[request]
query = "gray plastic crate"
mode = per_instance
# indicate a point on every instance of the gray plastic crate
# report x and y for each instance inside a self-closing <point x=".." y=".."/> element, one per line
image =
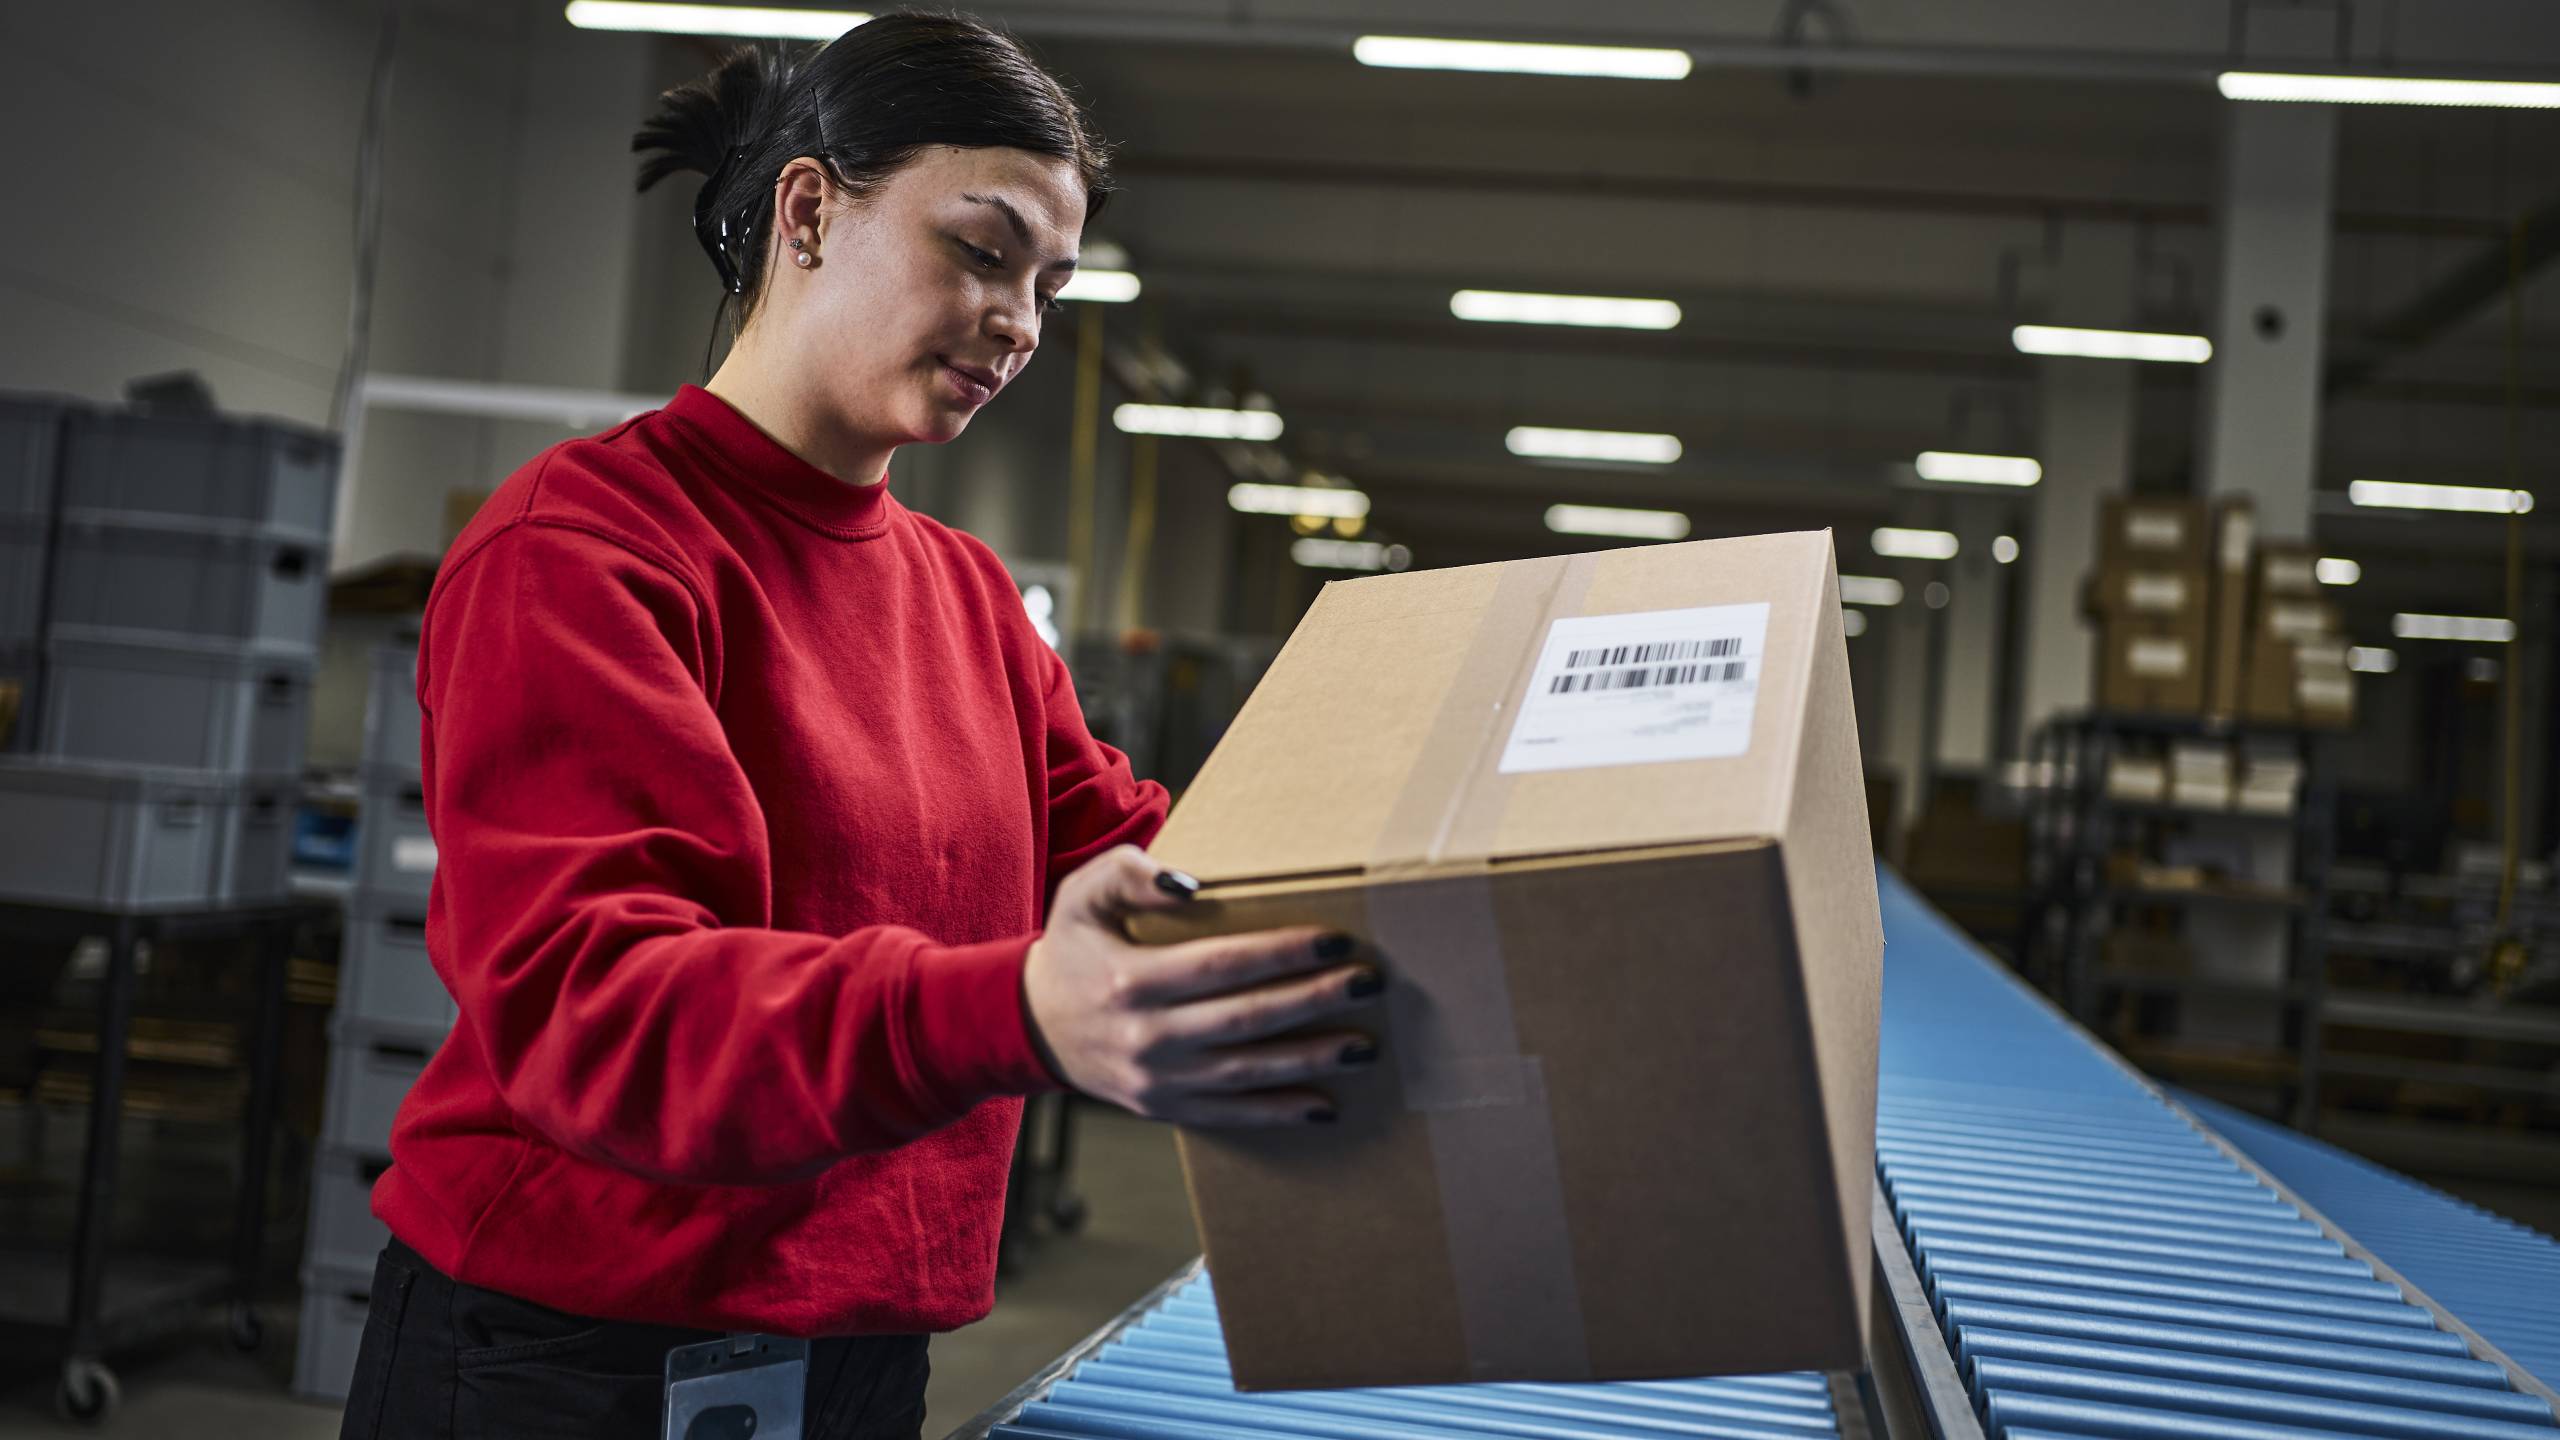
<point x="23" y="546"/>
<point x="393" y="725"/>
<point x="214" y="581"/>
<point x="344" y="1236"/>
<point x="384" y="976"/>
<point x="257" y="845"/>
<point x="396" y="858"/>
<point x="334" y="1306"/>
<point x="30" y="439"/>
<point x="114" y="838"/>
<point x="261" y="471"/>
<point x="371" y="1068"/>
<point x="132" y="698"/>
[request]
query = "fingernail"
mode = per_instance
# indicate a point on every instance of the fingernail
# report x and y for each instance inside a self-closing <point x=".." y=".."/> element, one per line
<point x="1334" y="946"/>
<point x="1366" y="984"/>
<point x="1177" y="884"/>
<point x="1360" y="1052"/>
<point x="1322" y="1116"/>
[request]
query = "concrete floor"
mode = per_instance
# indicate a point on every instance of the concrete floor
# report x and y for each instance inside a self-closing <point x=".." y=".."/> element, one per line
<point x="1138" y="1231"/>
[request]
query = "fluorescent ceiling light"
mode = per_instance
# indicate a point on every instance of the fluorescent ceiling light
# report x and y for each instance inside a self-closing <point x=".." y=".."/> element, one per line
<point x="1614" y="62"/>
<point x="1631" y="447"/>
<point x="1853" y="622"/>
<point x="1199" y="422"/>
<point x="1903" y="544"/>
<point x="1627" y="524"/>
<point x="1606" y="311"/>
<point x="2487" y="629"/>
<point x="2005" y="549"/>
<point x="1870" y="590"/>
<point x="2111" y="344"/>
<point x="2405" y="495"/>
<point x="752" y="21"/>
<point x="1957" y="468"/>
<point x="1327" y="501"/>
<point x="2371" y="660"/>
<point x="2333" y="571"/>
<point x="1109" y="287"/>
<point x="1321" y="554"/>
<point x="2386" y="90"/>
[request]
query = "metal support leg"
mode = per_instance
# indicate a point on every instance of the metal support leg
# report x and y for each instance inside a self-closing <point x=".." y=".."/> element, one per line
<point x="258" y="1128"/>
<point x="98" y="1167"/>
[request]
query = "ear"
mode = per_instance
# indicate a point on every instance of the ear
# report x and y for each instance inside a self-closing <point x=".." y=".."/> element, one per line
<point x="800" y="200"/>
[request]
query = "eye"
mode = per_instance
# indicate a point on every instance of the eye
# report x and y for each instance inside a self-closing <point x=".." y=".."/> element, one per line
<point x="1051" y="305"/>
<point x="986" y="259"/>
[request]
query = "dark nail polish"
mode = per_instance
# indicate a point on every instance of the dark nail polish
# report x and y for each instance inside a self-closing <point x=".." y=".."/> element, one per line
<point x="1177" y="884"/>
<point x="1323" y="1116"/>
<point x="1366" y="984"/>
<point x="1360" y="1052"/>
<point x="1334" y="946"/>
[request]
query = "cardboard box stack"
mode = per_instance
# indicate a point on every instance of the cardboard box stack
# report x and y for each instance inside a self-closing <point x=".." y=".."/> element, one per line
<point x="393" y="1012"/>
<point x="2150" y="598"/>
<point x="160" y="615"/>
<point x="2270" y="779"/>
<point x="1599" y="819"/>
<point x="2200" y="775"/>
<point x="2297" y="671"/>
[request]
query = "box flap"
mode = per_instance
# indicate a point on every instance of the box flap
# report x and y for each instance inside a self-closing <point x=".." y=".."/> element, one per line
<point x="1388" y="734"/>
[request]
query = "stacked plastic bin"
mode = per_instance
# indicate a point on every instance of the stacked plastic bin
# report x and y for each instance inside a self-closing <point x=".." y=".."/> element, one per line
<point x="162" y="586"/>
<point x="392" y="1014"/>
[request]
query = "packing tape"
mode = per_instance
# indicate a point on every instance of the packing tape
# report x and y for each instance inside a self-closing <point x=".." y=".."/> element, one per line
<point x="1493" y="1144"/>
<point x="1457" y="1047"/>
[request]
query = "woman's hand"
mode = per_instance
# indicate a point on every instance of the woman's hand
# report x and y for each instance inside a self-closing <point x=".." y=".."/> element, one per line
<point x="1183" y="1032"/>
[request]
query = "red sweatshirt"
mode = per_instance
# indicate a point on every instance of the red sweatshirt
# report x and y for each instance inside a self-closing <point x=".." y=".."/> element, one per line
<point x="750" y="788"/>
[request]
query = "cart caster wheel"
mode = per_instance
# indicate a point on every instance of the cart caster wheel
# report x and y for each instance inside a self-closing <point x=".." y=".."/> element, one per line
<point x="245" y="1328"/>
<point x="88" y="1391"/>
<point x="1068" y="1215"/>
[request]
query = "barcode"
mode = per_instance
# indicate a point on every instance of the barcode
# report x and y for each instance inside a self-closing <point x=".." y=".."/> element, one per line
<point x="1646" y="676"/>
<point x="1651" y="654"/>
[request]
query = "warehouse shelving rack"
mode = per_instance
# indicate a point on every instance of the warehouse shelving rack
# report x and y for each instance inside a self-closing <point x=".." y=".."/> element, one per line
<point x="2074" y="826"/>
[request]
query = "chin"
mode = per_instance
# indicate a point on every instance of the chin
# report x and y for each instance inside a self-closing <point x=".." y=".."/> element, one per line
<point x="941" y="428"/>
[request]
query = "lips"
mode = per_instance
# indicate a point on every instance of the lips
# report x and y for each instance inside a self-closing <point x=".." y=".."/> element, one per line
<point x="975" y="384"/>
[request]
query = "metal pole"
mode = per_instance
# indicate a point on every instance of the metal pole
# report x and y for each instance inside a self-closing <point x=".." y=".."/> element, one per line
<point x="1080" y="465"/>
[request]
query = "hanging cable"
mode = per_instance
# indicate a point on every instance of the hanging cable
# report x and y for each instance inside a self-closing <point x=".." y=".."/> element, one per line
<point x="368" y="221"/>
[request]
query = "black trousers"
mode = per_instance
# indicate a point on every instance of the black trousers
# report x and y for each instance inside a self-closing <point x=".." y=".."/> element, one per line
<point x="442" y="1360"/>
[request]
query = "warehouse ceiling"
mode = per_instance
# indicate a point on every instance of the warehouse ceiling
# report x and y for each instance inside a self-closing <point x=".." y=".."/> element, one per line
<point x="1850" y="239"/>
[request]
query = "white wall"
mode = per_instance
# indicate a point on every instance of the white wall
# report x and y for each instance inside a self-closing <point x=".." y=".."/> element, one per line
<point x="185" y="193"/>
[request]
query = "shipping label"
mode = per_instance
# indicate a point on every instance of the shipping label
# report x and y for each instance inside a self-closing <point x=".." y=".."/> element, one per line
<point x="1641" y="688"/>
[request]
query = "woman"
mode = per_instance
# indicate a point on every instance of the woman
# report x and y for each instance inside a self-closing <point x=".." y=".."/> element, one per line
<point x="776" y="861"/>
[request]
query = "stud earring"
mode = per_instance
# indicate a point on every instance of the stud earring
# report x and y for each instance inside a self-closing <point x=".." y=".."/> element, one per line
<point x="806" y="259"/>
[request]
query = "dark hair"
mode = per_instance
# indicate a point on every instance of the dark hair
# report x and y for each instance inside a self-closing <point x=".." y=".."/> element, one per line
<point x="863" y="104"/>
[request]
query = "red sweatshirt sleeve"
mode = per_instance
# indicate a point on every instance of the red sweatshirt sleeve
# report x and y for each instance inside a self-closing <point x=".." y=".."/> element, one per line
<point x="602" y="892"/>
<point x="1094" y="800"/>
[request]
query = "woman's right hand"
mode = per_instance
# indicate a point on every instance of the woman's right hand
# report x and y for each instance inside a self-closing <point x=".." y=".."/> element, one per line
<point x="1184" y="1033"/>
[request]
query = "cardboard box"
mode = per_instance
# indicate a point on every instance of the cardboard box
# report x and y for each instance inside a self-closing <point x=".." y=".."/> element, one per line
<point x="2152" y="665"/>
<point x="2137" y="531"/>
<point x="2235" y="530"/>
<point x="2303" y="683"/>
<point x="1624" y="1123"/>
<point x="2295" y="620"/>
<point x="2286" y="568"/>
<point x="2159" y="591"/>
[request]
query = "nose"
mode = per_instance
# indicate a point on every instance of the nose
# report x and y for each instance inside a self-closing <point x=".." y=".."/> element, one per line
<point x="1013" y="322"/>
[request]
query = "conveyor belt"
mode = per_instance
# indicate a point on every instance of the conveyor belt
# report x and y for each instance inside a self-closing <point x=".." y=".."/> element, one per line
<point x="2502" y="1278"/>
<point x="2100" y="1267"/>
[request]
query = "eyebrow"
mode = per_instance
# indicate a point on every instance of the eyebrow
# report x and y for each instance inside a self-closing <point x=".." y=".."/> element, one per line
<point x="1021" y="227"/>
